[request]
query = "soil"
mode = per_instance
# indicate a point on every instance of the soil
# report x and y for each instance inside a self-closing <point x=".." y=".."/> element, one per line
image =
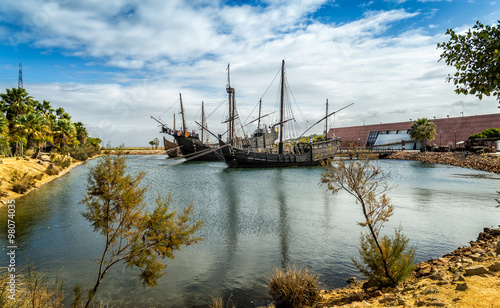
<point x="33" y="166"/>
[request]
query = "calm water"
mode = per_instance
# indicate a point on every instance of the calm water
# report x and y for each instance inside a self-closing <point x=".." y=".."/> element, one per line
<point x="255" y="221"/>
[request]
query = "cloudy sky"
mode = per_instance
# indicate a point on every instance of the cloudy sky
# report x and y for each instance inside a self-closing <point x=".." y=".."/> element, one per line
<point x="114" y="64"/>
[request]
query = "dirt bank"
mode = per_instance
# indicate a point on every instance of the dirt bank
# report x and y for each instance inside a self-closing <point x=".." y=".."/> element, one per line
<point x="484" y="162"/>
<point x="33" y="166"/>
<point x="467" y="277"/>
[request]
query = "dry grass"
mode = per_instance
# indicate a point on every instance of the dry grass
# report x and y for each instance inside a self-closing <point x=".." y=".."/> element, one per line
<point x="11" y="164"/>
<point x="294" y="287"/>
<point x="218" y="302"/>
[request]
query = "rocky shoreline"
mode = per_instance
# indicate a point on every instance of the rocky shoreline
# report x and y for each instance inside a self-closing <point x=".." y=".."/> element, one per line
<point x="467" y="277"/>
<point x="484" y="162"/>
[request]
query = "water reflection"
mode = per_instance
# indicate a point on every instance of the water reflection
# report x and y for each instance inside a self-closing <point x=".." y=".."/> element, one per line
<point x="279" y="186"/>
<point x="255" y="220"/>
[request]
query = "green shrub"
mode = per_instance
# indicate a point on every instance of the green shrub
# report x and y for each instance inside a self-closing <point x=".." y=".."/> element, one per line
<point x="62" y="161"/>
<point x="398" y="256"/>
<point x="294" y="287"/>
<point x="52" y="170"/>
<point x="21" y="181"/>
<point x="78" y="153"/>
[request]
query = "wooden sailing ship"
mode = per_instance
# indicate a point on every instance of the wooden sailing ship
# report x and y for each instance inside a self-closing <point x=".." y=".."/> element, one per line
<point x="301" y="154"/>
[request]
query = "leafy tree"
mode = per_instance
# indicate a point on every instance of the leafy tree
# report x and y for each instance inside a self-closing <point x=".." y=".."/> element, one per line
<point x="95" y="142"/>
<point x="81" y="132"/>
<point x="476" y="57"/>
<point x="366" y="183"/>
<point x="152" y="143"/>
<point x="64" y="131"/>
<point x="16" y="102"/>
<point x="487" y="133"/>
<point x="32" y="126"/>
<point x="115" y="207"/>
<point x="421" y="130"/>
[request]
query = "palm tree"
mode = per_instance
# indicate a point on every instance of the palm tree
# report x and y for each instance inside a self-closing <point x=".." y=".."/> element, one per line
<point x="64" y="131"/>
<point x="16" y="102"/>
<point x="81" y="132"/>
<point x="33" y="126"/>
<point x="421" y="130"/>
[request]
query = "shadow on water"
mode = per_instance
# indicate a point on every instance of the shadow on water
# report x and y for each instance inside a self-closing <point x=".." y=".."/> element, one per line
<point x="284" y="228"/>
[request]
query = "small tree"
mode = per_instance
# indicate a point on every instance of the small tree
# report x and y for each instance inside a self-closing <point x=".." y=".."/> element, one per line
<point x="115" y="207"/>
<point x="152" y="144"/>
<point x="421" y="130"/>
<point x="366" y="183"/>
<point x="476" y="57"/>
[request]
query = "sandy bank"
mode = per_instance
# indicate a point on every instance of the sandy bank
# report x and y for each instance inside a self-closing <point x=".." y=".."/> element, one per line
<point x="137" y="152"/>
<point x="33" y="166"/>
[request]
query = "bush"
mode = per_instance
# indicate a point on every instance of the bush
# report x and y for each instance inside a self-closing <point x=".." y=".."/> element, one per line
<point x="218" y="302"/>
<point x="21" y="182"/>
<point x="52" y="170"/>
<point x="294" y="287"/>
<point x="62" y="161"/>
<point x="398" y="256"/>
<point x="78" y="153"/>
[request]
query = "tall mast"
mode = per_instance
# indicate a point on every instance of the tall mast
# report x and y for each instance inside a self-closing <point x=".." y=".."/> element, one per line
<point x="174" y="120"/>
<point x="326" y="120"/>
<point x="282" y="109"/>
<point x="230" y="91"/>
<point x="202" y="119"/>
<point x="258" y="123"/>
<point x="182" y="113"/>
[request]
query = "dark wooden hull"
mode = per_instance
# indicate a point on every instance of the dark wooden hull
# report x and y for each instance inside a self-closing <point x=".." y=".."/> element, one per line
<point x="171" y="148"/>
<point x="191" y="147"/>
<point x="308" y="155"/>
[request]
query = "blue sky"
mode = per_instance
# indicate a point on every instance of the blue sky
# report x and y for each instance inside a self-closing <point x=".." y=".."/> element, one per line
<point x="114" y="64"/>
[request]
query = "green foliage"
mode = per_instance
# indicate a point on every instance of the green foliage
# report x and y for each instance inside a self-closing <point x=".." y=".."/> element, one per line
<point x="487" y="133"/>
<point x="95" y="142"/>
<point x="21" y="181"/>
<point x="398" y="256"/>
<point x="476" y="57"/>
<point x="294" y="287"/>
<point x="423" y="129"/>
<point x="366" y="183"/>
<point x="115" y="207"/>
<point x="62" y="161"/>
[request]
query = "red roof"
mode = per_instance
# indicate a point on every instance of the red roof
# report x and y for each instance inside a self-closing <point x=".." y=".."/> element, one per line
<point x="448" y="129"/>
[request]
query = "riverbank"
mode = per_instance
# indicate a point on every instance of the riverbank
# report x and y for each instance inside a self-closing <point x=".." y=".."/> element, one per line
<point x="136" y="152"/>
<point x="467" y="277"/>
<point x="35" y="167"/>
<point x="484" y="162"/>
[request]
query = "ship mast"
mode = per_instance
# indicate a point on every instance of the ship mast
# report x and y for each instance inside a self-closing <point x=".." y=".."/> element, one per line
<point x="258" y="123"/>
<point x="326" y="120"/>
<point x="174" y="120"/>
<point x="202" y="119"/>
<point x="230" y="91"/>
<point x="282" y="109"/>
<point x="182" y="113"/>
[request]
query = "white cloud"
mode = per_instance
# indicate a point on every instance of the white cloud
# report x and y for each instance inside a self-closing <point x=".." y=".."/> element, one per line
<point x="177" y="47"/>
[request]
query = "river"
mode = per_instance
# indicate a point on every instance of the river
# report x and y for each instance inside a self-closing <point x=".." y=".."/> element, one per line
<point x="254" y="221"/>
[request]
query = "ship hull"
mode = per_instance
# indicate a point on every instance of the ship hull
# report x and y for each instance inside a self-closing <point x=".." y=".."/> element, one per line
<point x="193" y="149"/>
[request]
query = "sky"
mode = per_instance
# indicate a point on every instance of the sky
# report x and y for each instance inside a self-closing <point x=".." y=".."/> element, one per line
<point x="114" y="64"/>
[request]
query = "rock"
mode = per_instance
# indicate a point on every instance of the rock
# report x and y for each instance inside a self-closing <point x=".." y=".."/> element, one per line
<point x="495" y="267"/>
<point x="442" y="282"/>
<point x="437" y="276"/>
<point x="429" y="290"/>
<point x="475" y="270"/>
<point x="357" y="297"/>
<point x="495" y="231"/>
<point x="388" y="298"/>
<point x="351" y="280"/>
<point x="462" y="286"/>
<point x="436" y="304"/>
<point x="410" y="288"/>
<point x="475" y="257"/>
<point x="459" y="278"/>
<point x="375" y="293"/>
